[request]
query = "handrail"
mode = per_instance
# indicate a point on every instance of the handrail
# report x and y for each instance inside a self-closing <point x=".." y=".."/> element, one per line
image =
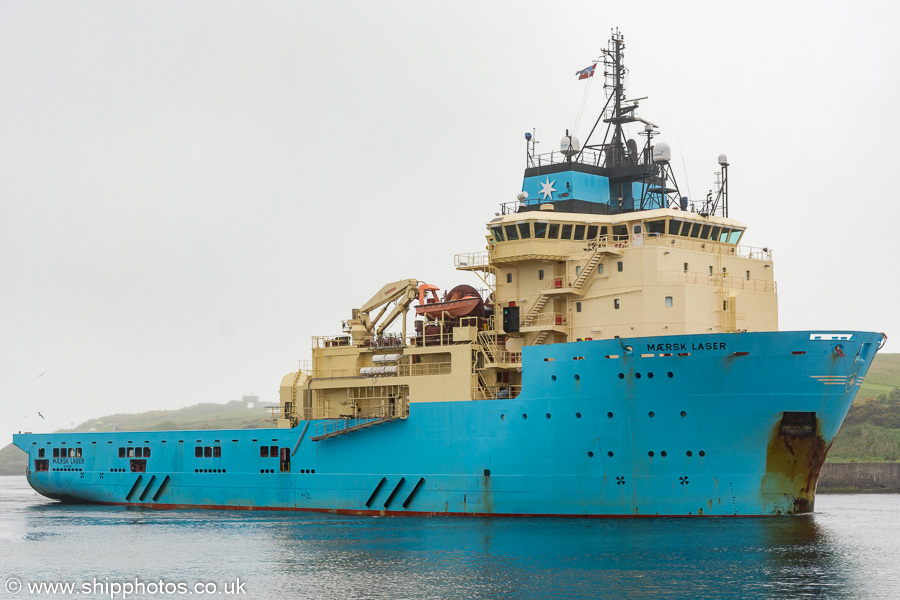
<point x="471" y="259"/>
<point x="347" y="423"/>
<point x="728" y="281"/>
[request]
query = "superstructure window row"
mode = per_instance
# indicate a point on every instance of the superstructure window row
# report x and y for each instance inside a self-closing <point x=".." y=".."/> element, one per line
<point x="524" y="230"/>
<point x="63" y="453"/>
<point x="704" y="231"/>
<point x="545" y="230"/>
<point x="131" y="452"/>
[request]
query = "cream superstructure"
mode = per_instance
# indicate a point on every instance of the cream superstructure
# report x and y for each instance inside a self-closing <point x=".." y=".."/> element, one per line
<point x="657" y="272"/>
<point x="552" y="277"/>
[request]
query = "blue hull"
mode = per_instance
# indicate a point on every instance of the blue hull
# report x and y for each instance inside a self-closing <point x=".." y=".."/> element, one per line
<point x="716" y="424"/>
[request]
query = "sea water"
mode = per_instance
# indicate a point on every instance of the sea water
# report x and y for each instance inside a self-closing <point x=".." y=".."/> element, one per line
<point x="848" y="549"/>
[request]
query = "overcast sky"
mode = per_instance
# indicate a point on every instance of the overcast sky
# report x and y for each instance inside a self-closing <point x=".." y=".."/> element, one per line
<point x="190" y="190"/>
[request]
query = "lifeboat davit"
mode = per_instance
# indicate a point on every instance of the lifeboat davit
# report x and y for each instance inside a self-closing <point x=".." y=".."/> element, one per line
<point x="461" y="301"/>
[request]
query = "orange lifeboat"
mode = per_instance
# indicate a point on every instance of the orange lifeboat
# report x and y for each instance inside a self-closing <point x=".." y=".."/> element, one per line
<point x="461" y="301"/>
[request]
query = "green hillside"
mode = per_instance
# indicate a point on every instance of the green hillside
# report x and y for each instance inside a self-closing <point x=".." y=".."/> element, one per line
<point x="883" y="376"/>
<point x="232" y="415"/>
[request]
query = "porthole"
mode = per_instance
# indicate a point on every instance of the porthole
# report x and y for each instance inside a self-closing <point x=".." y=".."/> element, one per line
<point x="578" y="415"/>
<point x="609" y="454"/>
<point x="650" y="374"/>
<point x="577" y="377"/>
<point x="502" y="417"/>
<point x="590" y="454"/>
<point x="621" y="375"/>
<point x="670" y="375"/>
<point x="553" y="378"/>
<point x="651" y="414"/>
<point x="684" y="413"/>
<point x="547" y="415"/>
<point x="663" y="453"/>
<point x="637" y="375"/>
<point x="650" y="454"/>
<point x="609" y="414"/>
<point x="524" y="415"/>
<point x="702" y="453"/>
<point x="689" y="453"/>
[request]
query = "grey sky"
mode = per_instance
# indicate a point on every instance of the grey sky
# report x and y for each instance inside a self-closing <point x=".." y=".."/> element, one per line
<point x="190" y="190"/>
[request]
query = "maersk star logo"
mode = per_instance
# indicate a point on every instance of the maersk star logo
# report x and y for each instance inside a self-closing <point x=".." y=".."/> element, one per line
<point x="547" y="188"/>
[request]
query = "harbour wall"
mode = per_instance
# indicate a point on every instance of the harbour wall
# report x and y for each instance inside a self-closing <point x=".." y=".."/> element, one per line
<point x="861" y="477"/>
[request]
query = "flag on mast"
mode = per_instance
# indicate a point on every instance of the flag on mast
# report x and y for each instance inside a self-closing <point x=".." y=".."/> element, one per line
<point x="585" y="73"/>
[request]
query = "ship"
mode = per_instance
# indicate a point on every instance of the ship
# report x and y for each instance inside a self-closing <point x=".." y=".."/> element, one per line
<point x="622" y="359"/>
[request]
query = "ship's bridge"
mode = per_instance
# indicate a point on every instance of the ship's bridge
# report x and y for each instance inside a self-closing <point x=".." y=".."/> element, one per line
<point x="549" y="235"/>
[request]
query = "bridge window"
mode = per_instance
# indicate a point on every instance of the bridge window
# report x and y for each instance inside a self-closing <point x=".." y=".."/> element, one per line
<point x="540" y="229"/>
<point x="498" y="233"/>
<point x="620" y="232"/>
<point x="553" y="231"/>
<point x="566" y="232"/>
<point x="511" y="232"/>
<point x="674" y="227"/>
<point x="695" y="230"/>
<point x="524" y="230"/>
<point x="704" y="235"/>
<point x="715" y="234"/>
<point x="592" y="232"/>
<point x="735" y="236"/>
<point x="579" y="232"/>
<point x="656" y="227"/>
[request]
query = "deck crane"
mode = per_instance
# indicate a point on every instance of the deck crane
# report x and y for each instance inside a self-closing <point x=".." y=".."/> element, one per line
<point x="362" y="325"/>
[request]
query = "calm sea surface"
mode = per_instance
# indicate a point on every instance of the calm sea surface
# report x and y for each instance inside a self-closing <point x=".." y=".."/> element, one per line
<point x="849" y="549"/>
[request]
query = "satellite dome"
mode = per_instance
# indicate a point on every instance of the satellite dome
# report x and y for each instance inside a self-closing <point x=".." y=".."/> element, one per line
<point x="662" y="153"/>
<point x="723" y="160"/>
<point x="527" y="136"/>
<point x="569" y="145"/>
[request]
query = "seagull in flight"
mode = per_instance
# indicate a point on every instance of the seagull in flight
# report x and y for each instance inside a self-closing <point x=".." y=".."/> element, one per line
<point x="41" y="375"/>
<point x="40" y="415"/>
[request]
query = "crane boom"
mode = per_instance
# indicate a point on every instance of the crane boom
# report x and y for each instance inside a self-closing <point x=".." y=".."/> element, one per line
<point x="362" y="324"/>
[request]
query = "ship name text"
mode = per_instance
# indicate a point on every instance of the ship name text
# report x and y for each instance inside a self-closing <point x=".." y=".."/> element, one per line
<point x="685" y="346"/>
